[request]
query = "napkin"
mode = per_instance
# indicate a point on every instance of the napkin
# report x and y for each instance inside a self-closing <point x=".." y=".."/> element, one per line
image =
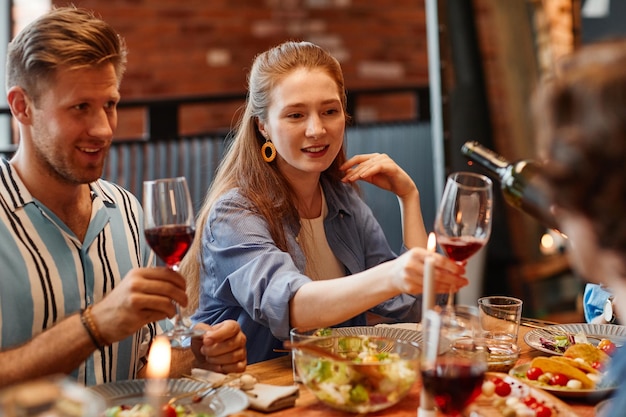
<point x="268" y="398"/>
<point x="262" y="397"/>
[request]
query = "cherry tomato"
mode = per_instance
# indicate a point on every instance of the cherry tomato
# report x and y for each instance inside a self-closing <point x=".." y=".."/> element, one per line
<point x="534" y="373"/>
<point x="169" y="411"/>
<point x="607" y="346"/>
<point x="503" y="389"/>
<point x="598" y="365"/>
<point x="543" y="411"/>
<point x="530" y="402"/>
<point x="558" y="379"/>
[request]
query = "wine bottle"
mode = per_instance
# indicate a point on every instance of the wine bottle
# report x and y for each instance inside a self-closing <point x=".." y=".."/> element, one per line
<point x="520" y="184"/>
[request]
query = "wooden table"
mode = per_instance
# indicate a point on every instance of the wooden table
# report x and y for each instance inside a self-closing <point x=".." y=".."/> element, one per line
<point x="278" y="372"/>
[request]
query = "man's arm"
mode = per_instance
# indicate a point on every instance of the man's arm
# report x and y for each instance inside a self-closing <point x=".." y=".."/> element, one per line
<point x="60" y="349"/>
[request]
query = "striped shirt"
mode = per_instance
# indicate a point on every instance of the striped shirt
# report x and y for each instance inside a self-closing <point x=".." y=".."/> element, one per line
<point x="47" y="273"/>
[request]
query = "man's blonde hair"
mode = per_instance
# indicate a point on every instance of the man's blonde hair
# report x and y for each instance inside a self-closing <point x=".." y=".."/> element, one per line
<point x="65" y="37"/>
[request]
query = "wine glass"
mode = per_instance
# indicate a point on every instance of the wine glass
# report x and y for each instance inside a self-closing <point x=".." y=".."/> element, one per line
<point x="169" y="229"/>
<point x="463" y="221"/>
<point x="453" y="359"/>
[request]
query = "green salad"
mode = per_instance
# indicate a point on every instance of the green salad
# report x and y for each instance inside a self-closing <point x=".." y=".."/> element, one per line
<point x="345" y="385"/>
<point x="146" y="410"/>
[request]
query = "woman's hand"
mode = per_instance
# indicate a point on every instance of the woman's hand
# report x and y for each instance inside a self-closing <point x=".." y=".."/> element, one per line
<point x="222" y="348"/>
<point x="382" y="171"/>
<point x="409" y="272"/>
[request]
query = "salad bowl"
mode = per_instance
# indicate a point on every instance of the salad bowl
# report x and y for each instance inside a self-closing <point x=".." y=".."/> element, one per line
<point x="357" y="374"/>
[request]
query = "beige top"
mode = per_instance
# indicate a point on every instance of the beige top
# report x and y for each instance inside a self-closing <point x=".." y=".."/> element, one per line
<point x="321" y="261"/>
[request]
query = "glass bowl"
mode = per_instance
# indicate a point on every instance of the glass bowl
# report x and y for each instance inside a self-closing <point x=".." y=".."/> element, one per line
<point x="502" y="355"/>
<point x="358" y="374"/>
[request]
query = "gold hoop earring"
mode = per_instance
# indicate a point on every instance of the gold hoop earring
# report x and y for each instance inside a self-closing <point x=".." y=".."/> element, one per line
<point x="268" y="151"/>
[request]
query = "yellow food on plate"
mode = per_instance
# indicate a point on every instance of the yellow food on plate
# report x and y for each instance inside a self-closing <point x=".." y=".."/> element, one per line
<point x="582" y="365"/>
<point x="559" y="367"/>
<point x="587" y="352"/>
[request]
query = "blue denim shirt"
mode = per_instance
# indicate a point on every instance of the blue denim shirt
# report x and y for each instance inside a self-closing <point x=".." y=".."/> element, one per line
<point x="594" y="298"/>
<point x="617" y="373"/>
<point x="245" y="277"/>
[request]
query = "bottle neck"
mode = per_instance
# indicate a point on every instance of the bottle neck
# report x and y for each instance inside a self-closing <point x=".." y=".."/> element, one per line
<point x="486" y="157"/>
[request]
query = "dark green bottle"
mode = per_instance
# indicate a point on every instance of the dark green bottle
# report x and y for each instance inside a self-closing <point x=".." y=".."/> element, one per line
<point x="520" y="184"/>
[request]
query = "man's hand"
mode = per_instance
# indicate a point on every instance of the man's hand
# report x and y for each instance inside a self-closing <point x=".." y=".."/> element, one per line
<point x="145" y="295"/>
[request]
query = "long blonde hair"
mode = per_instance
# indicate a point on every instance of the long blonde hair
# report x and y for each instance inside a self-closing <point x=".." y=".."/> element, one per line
<point x="243" y="166"/>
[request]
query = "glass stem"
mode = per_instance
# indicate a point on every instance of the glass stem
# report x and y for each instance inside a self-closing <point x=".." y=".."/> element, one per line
<point x="179" y="323"/>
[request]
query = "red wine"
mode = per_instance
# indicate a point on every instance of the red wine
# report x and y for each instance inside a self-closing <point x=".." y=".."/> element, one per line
<point x="519" y="181"/>
<point x="453" y="384"/>
<point x="460" y="248"/>
<point x="170" y="243"/>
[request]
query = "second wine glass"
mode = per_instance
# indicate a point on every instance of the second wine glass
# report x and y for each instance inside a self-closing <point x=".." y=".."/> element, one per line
<point x="453" y="357"/>
<point x="463" y="221"/>
<point x="169" y="229"/>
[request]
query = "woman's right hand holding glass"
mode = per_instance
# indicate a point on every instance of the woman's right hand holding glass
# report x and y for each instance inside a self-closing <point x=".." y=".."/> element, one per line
<point x="408" y="272"/>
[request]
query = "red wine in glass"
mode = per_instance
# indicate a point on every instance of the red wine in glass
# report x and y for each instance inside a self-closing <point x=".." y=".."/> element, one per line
<point x="170" y="242"/>
<point x="169" y="230"/>
<point x="460" y="248"/>
<point x="453" y="383"/>
<point x="463" y="221"/>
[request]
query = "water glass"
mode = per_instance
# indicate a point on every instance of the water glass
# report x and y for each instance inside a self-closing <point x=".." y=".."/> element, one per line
<point x="500" y="317"/>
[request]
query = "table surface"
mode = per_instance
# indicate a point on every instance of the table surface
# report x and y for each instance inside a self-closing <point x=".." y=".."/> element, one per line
<point x="278" y="372"/>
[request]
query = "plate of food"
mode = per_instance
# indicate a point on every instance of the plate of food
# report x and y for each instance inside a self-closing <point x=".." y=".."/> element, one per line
<point x="389" y="332"/>
<point x="505" y="395"/>
<point x="555" y="339"/>
<point x="594" y="393"/>
<point x="127" y="398"/>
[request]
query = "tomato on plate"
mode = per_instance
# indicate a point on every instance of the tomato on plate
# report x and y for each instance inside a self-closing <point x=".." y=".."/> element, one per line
<point x="534" y="373"/>
<point x="559" y="379"/>
<point x="543" y="411"/>
<point x="502" y="388"/>
<point x="607" y="346"/>
<point x="169" y="411"/>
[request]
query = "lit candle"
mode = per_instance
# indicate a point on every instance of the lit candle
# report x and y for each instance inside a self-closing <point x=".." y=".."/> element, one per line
<point x="157" y="372"/>
<point x="428" y="297"/>
<point x="427" y="403"/>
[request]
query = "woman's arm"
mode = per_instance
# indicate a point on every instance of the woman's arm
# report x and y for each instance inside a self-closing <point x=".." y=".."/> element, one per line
<point x="325" y="303"/>
<point x="383" y="172"/>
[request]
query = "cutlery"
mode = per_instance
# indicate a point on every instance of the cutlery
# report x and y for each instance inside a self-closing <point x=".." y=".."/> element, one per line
<point x="201" y="393"/>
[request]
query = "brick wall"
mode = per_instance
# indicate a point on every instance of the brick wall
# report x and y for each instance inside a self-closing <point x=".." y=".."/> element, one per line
<point x="204" y="47"/>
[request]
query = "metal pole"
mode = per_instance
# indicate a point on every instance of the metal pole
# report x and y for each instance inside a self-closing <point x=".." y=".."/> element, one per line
<point x="5" y="37"/>
<point x="434" y="80"/>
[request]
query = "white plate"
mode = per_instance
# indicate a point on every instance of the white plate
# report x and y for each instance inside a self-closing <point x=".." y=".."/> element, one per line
<point x="132" y="392"/>
<point x="486" y="406"/>
<point x="590" y="394"/>
<point x="602" y="408"/>
<point x="613" y="332"/>
<point x="395" y="333"/>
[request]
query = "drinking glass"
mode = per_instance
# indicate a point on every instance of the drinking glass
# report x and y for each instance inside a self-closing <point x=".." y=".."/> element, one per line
<point x="453" y="357"/>
<point x="463" y="221"/>
<point x="169" y="229"/>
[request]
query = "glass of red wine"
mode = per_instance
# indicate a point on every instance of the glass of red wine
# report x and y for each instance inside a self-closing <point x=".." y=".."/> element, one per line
<point x="463" y="221"/>
<point x="453" y="357"/>
<point x="169" y="229"/>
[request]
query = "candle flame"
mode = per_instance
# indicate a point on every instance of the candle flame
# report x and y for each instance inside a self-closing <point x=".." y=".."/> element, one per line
<point x="432" y="242"/>
<point x="159" y="358"/>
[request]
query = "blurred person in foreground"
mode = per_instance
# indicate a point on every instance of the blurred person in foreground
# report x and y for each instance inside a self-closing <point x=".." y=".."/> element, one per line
<point x="580" y="118"/>
<point x="78" y="293"/>
<point x="284" y="238"/>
